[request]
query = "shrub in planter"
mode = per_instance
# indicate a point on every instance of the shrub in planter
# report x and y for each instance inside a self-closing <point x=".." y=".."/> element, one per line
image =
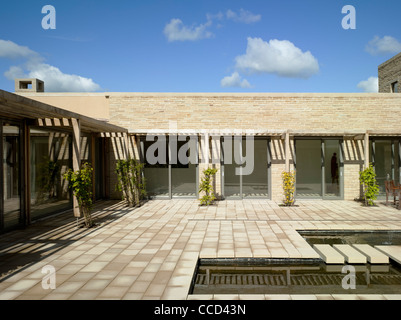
<point x="131" y="181"/>
<point x="288" y="187"/>
<point x="367" y="178"/>
<point x="206" y="187"/>
<point x="81" y="184"/>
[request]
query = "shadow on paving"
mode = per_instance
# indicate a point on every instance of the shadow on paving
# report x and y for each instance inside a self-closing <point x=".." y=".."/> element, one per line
<point x="23" y="248"/>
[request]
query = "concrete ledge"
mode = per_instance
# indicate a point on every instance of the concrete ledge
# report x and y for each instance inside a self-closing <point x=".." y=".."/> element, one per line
<point x="329" y="254"/>
<point x="394" y="252"/>
<point x="351" y="254"/>
<point x="373" y="255"/>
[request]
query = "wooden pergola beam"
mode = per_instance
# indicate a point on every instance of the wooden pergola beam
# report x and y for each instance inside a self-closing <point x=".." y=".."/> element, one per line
<point x="366" y="150"/>
<point x="359" y="137"/>
<point x="76" y="157"/>
<point x="287" y="151"/>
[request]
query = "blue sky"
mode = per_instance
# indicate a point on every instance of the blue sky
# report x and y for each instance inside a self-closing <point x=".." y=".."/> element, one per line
<point x="198" y="46"/>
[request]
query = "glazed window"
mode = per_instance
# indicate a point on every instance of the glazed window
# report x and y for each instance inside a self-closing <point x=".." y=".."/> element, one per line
<point x="394" y="87"/>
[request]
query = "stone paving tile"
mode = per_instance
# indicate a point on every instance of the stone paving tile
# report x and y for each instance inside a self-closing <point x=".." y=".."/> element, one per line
<point x="371" y="297"/>
<point x="277" y="297"/>
<point x="200" y="297"/>
<point x="324" y="297"/>
<point x="303" y="297"/>
<point x="346" y="297"/>
<point x="151" y="252"/>
<point x="226" y="297"/>
<point x="392" y="296"/>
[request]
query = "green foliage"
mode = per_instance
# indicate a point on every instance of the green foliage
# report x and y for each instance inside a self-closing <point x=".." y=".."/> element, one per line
<point x="367" y="178"/>
<point x="206" y="187"/>
<point x="131" y="181"/>
<point x="81" y="184"/>
<point x="48" y="175"/>
<point x="288" y="187"/>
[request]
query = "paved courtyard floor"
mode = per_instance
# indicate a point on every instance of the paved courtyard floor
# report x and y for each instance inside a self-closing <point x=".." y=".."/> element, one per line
<point x="151" y="252"/>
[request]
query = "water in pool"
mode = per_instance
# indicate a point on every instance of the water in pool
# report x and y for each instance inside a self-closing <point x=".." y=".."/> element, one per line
<point x="372" y="238"/>
<point x="258" y="276"/>
<point x="293" y="278"/>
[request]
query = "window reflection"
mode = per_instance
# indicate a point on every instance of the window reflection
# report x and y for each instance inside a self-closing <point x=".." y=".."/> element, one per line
<point x="11" y="174"/>
<point x="50" y="158"/>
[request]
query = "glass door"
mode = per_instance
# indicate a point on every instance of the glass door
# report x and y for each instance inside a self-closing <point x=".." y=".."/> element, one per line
<point x="253" y="182"/>
<point x="171" y="167"/>
<point x="11" y="159"/>
<point x="156" y="170"/>
<point x="319" y="168"/>
<point x="184" y="171"/>
<point x="309" y="168"/>
<point x="385" y="158"/>
<point x="50" y="158"/>
<point x="232" y="180"/>
<point x="332" y="159"/>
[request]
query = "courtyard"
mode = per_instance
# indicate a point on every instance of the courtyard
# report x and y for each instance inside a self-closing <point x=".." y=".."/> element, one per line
<point x="151" y="252"/>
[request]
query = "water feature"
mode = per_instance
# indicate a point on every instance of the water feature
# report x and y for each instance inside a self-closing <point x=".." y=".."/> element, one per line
<point x="295" y="277"/>
<point x="302" y="276"/>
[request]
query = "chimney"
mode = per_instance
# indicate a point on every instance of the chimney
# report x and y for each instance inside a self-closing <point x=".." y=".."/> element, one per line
<point x="29" y="85"/>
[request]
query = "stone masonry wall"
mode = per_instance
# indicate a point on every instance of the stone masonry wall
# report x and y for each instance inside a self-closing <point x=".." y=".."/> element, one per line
<point x="389" y="72"/>
<point x="317" y="114"/>
<point x="310" y="113"/>
<point x="302" y="112"/>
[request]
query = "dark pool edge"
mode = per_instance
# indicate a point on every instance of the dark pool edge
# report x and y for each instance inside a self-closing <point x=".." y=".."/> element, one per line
<point x="342" y="231"/>
<point x="255" y="261"/>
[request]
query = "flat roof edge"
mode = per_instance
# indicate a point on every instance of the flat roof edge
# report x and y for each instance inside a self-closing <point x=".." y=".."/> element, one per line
<point x="206" y="94"/>
<point x="39" y="110"/>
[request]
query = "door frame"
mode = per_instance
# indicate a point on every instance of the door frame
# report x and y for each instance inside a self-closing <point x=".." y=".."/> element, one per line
<point x="21" y="175"/>
<point x="323" y="168"/>
<point x="268" y="170"/>
<point x="170" y="195"/>
<point x="394" y="162"/>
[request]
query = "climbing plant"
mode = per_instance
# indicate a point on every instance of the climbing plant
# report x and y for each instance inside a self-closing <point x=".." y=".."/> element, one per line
<point x="130" y="180"/>
<point x="288" y="187"/>
<point x="367" y="178"/>
<point x="80" y="182"/>
<point x="206" y="187"/>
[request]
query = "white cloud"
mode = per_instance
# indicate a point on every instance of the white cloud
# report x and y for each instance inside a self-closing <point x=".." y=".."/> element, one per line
<point x="34" y="67"/>
<point x="279" y="57"/>
<point x="216" y="16"/>
<point x="243" y="16"/>
<point x="234" y="81"/>
<point x="11" y="50"/>
<point x="55" y="80"/>
<point x="175" y="30"/>
<point x="382" y="46"/>
<point x="15" y="72"/>
<point x="369" y="85"/>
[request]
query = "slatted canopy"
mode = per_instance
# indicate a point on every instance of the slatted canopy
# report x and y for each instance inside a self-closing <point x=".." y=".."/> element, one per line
<point x="15" y="107"/>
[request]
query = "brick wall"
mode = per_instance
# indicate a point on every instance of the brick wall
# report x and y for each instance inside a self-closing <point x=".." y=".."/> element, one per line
<point x="389" y="72"/>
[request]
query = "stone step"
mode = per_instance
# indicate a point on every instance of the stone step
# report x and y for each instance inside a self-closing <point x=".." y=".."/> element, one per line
<point x="350" y="254"/>
<point x="328" y="254"/>
<point x="394" y="252"/>
<point x="373" y="255"/>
